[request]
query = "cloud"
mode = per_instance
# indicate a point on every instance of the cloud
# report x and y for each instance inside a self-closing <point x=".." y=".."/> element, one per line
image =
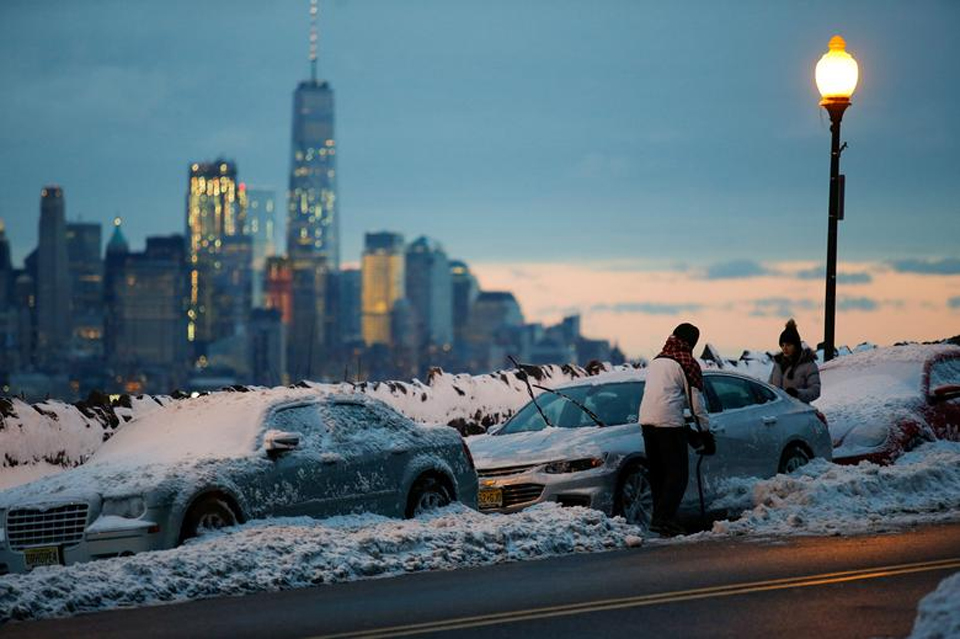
<point x="857" y="304"/>
<point x="954" y="302"/>
<point x="646" y="308"/>
<point x="737" y="269"/>
<point x="782" y="306"/>
<point x="820" y="272"/>
<point x="946" y="266"/>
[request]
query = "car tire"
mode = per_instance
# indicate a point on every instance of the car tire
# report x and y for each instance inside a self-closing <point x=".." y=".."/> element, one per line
<point x="633" y="499"/>
<point x="793" y="458"/>
<point x="207" y="513"/>
<point x="428" y="493"/>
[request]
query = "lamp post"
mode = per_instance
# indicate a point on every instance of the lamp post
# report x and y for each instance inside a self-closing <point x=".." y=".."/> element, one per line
<point x="836" y="76"/>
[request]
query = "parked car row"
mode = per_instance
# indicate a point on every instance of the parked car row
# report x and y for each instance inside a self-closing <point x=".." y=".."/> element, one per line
<point x="219" y="460"/>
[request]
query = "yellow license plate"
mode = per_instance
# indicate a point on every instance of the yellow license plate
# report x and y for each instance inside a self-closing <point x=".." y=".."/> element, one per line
<point x="44" y="556"/>
<point x="490" y="498"/>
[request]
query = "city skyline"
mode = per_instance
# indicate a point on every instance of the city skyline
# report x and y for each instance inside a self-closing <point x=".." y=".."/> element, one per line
<point x="504" y="153"/>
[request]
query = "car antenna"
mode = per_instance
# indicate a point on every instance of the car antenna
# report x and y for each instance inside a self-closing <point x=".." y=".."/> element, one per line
<point x="526" y="379"/>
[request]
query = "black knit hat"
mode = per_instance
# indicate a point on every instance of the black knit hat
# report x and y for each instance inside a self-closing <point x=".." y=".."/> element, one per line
<point x="790" y="335"/>
<point x="688" y="333"/>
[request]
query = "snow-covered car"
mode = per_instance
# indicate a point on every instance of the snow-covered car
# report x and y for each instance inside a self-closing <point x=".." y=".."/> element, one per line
<point x="598" y="461"/>
<point x="224" y="458"/>
<point x="886" y="401"/>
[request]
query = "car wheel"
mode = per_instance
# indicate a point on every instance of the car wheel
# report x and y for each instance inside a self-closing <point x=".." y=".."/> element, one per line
<point x="634" y="497"/>
<point x="428" y="493"/>
<point x="793" y="458"/>
<point x="207" y="513"/>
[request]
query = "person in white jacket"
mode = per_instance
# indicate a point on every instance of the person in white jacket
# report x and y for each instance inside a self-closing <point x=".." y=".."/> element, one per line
<point x="674" y="382"/>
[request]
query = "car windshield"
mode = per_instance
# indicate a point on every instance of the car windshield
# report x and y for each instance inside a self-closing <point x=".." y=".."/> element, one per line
<point x="614" y="404"/>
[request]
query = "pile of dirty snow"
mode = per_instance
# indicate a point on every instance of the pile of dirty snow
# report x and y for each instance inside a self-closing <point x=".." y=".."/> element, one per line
<point x="299" y="552"/>
<point x="938" y="615"/>
<point x="822" y="498"/>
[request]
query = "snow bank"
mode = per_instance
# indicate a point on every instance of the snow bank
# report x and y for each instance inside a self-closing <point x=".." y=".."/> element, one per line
<point x="300" y="552"/>
<point x="938" y="615"/>
<point x="822" y="498"/>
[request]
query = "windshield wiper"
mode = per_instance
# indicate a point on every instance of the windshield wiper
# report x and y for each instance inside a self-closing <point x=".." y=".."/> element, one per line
<point x="590" y="413"/>
<point x="526" y="379"/>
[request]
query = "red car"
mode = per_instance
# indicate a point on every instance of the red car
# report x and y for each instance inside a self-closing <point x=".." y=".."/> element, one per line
<point x="884" y="402"/>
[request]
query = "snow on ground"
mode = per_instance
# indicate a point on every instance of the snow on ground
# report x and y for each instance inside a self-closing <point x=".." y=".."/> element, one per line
<point x="301" y="552"/>
<point x="923" y="486"/>
<point x="939" y="612"/>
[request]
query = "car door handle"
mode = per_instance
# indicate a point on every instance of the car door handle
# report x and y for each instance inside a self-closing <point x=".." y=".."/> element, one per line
<point x="718" y="429"/>
<point x="398" y="451"/>
<point x="769" y="421"/>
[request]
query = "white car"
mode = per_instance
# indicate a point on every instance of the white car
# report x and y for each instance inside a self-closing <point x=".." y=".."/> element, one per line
<point x="574" y="460"/>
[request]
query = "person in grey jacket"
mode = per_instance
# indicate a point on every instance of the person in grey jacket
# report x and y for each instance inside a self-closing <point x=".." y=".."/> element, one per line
<point x="795" y="367"/>
<point x="672" y="377"/>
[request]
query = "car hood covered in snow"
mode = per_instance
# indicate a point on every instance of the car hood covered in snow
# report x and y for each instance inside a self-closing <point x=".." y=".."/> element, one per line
<point x="552" y="444"/>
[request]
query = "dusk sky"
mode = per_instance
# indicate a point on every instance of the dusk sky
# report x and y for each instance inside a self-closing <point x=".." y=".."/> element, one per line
<point x="642" y="163"/>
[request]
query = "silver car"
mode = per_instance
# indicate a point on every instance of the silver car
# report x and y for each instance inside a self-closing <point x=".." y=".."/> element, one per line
<point x="217" y="460"/>
<point x="598" y="460"/>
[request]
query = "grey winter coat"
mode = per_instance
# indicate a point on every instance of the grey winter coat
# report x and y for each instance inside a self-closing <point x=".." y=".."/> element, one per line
<point x="804" y="376"/>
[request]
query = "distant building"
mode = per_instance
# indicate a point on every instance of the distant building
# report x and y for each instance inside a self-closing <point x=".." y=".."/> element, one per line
<point x="383" y="284"/>
<point x="464" y="289"/>
<point x="147" y="346"/>
<point x="86" y="283"/>
<point x="267" y="348"/>
<point x="430" y="292"/>
<point x="351" y="328"/>
<point x="53" y="281"/>
<point x="262" y="228"/>
<point x="219" y="254"/>
<point x="278" y="287"/>
<point x="9" y="338"/>
<point x="496" y="321"/>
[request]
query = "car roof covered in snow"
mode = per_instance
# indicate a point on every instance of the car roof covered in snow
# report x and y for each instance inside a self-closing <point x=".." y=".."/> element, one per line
<point x="639" y="374"/>
<point x="221" y="424"/>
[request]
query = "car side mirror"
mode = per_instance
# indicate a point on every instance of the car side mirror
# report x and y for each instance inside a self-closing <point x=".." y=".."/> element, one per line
<point x="277" y="442"/>
<point x="945" y="392"/>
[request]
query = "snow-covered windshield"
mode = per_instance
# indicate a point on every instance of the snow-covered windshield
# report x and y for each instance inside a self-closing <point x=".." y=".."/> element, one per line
<point x="616" y="403"/>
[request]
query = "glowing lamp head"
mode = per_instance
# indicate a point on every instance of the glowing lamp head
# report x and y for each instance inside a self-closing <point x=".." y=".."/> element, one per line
<point x="837" y="73"/>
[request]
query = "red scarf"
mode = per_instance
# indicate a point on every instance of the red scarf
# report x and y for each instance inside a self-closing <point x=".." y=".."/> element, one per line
<point x="678" y="350"/>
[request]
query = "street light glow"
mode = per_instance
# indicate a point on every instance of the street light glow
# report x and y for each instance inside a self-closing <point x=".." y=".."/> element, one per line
<point x="837" y="73"/>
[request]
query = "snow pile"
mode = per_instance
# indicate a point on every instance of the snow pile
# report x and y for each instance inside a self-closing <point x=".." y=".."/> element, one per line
<point x="938" y="615"/>
<point x="299" y="552"/>
<point x="824" y="498"/>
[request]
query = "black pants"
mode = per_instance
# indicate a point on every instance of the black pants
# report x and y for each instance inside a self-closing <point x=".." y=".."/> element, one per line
<point x="667" y="461"/>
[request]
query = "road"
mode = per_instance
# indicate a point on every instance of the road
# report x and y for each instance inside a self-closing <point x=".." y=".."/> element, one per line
<point x="866" y="586"/>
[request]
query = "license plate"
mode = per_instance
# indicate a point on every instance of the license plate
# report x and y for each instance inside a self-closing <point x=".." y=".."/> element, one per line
<point x="44" y="556"/>
<point x="490" y="498"/>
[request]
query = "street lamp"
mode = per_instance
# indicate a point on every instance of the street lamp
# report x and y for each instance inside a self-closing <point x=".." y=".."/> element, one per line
<point x="836" y="75"/>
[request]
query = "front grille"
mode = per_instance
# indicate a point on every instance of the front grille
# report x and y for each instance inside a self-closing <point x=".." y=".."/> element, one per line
<point x="59" y="525"/>
<point x="504" y="470"/>
<point x="521" y="494"/>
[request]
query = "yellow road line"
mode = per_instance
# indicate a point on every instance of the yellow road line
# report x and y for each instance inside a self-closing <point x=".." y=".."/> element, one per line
<point x="649" y="600"/>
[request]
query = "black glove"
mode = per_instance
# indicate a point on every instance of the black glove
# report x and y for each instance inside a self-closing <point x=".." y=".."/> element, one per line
<point x="702" y="441"/>
<point x="792" y="392"/>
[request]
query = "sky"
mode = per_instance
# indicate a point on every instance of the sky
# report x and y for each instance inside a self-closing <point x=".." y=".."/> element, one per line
<point x="595" y="144"/>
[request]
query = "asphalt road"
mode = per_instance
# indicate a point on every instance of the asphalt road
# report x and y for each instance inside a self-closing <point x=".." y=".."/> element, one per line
<point x="835" y="587"/>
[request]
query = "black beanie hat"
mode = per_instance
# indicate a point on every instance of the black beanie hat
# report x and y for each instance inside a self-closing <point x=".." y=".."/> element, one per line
<point x="790" y="334"/>
<point x="688" y="333"/>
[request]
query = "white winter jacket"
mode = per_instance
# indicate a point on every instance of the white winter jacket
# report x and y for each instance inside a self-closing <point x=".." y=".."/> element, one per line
<point x="665" y="396"/>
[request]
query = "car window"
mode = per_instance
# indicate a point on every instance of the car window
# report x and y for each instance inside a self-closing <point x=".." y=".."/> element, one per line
<point x="616" y="403"/>
<point x="762" y="393"/>
<point x="944" y="372"/>
<point x="732" y="392"/>
<point x="300" y="419"/>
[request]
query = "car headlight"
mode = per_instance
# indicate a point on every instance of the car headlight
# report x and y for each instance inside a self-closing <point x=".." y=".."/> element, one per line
<point x="867" y="436"/>
<point x="572" y="465"/>
<point x="126" y="507"/>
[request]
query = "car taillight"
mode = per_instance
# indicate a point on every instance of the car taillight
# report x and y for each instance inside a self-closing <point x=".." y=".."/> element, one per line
<point x="822" y="418"/>
<point x="466" y="451"/>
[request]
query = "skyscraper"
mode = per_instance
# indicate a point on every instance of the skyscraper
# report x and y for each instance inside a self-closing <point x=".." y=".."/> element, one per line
<point x="429" y="289"/>
<point x="465" y="291"/>
<point x="53" y="280"/>
<point x="261" y="225"/>
<point x="86" y="282"/>
<point x="219" y="253"/>
<point x="383" y="284"/>
<point x="312" y="222"/>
